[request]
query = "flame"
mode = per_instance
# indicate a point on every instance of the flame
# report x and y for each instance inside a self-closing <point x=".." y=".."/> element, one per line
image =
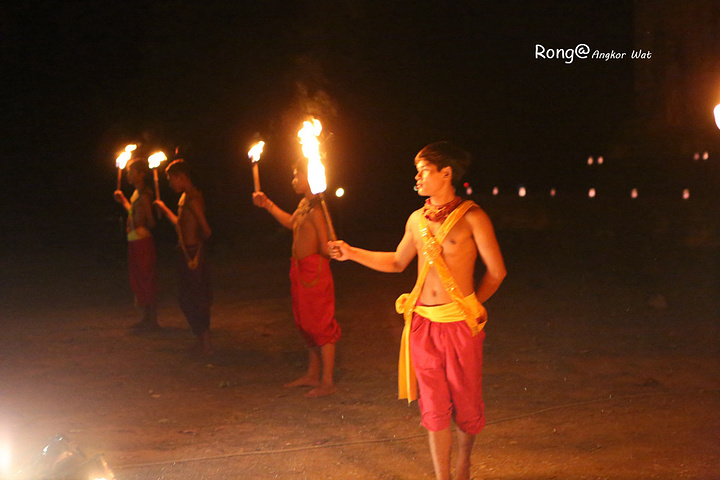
<point x="256" y="151"/>
<point x="308" y="136"/>
<point x="131" y="148"/>
<point x="155" y="159"/>
<point x="122" y="159"/>
<point x="716" y="111"/>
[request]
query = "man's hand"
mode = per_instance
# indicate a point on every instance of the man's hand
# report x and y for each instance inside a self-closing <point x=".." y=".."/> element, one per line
<point x="161" y="207"/>
<point x="119" y="196"/>
<point x="261" y="200"/>
<point x="339" y="250"/>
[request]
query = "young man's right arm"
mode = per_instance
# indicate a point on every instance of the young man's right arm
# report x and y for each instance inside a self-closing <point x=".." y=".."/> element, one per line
<point x="284" y="218"/>
<point x="391" y="262"/>
<point x="166" y="211"/>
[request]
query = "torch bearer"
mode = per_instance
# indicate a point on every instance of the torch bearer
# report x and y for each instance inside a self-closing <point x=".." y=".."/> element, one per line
<point x="308" y="136"/>
<point x="254" y="155"/>
<point x="122" y="160"/>
<point x="154" y="161"/>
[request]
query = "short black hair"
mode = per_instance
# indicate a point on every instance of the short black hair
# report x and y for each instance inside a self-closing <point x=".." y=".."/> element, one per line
<point x="140" y="165"/>
<point x="178" y="167"/>
<point x="444" y="154"/>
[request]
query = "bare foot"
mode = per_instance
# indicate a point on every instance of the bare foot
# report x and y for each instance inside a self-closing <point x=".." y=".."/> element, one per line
<point x="321" y="391"/>
<point x="306" y="381"/>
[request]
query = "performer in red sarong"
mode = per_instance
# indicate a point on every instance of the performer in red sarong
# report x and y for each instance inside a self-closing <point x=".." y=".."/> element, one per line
<point x="141" y="246"/>
<point x="312" y="288"/>
<point x="444" y="315"/>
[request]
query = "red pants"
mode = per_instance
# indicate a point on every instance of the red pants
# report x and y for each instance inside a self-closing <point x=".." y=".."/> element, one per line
<point x="313" y="300"/>
<point x="141" y="263"/>
<point x="448" y="366"/>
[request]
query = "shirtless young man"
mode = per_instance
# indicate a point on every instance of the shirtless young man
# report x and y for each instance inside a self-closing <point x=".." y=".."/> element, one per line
<point x="312" y="287"/>
<point x="141" y="246"/>
<point x="444" y="315"/>
<point x="194" y="292"/>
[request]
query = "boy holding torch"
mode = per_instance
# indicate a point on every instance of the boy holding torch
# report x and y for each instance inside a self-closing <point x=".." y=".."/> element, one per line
<point x="312" y="287"/>
<point x="141" y="246"/>
<point x="441" y="349"/>
<point x="192" y="229"/>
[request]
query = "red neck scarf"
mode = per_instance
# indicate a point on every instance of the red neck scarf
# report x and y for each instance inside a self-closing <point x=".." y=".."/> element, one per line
<point x="438" y="213"/>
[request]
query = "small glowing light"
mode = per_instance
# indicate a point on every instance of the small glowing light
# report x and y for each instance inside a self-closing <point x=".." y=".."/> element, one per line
<point x="256" y="151"/>
<point x="590" y="160"/>
<point x="468" y="190"/>
<point x="495" y="190"/>
<point x="633" y="193"/>
<point x="155" y="159"/>
<point x="552" y="192"/>
<point x="706" y="155"/>
<point x="600" y="160"/>
<point x="696" y="157"/>
<point x="339" y="192"/>
<point x="686" y="194"/>
<point x="522" y="192"/>
<point x="466" y="184"/>
<point x="716" y="111"/>
<point x="591" y="193"/>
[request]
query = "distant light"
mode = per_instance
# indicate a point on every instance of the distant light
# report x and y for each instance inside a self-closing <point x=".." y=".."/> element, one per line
<point x="686" y="194"/>
<point x="591" y="193"/>
<point x="339" y="192"/>
<point x="600" y="160"/>
<point x="522" y="192"/>
<point x="495" y="190"/>
<point x="633" y="193"/>
<point x="466" y="184"/>
<point x="706" y="155"/>
<point x="590" y="160"/>
<point x="552" y="192"/>
<point x="696" y="157"/>
<point x="469" y="190"/>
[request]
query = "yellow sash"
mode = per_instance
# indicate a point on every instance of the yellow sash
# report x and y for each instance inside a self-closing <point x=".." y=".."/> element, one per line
<point x="462" y="308"/>
<point x="138" y="234"/>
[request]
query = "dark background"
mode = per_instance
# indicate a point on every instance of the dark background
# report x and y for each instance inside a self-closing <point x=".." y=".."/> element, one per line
<point x="81" y="79"/>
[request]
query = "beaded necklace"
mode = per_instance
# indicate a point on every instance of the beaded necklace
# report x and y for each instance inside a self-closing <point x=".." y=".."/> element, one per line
<point x="438" y="213"/>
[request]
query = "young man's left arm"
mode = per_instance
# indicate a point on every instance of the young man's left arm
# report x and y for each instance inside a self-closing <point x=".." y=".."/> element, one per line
<point x="321" y="228"/>
<point x="489" y="251"/>
<point x="197" y="210"/>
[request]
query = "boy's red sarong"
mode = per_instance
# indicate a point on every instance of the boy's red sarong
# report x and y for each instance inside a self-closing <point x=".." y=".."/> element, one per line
<point x="448" y="365"/>
<point x="143" y="277"/>
<point x="313" y="300"/>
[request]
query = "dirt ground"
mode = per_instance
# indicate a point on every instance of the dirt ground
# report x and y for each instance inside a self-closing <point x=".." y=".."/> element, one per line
<point x="601" y="362"/>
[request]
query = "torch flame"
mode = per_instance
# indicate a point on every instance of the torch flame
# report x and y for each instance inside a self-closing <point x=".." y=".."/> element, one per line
<point x="131" y="148"/>
<point x="308" y="136"/>
<point x="155" y="159"/>
<point x="717" y="115"/>
<point x="122" y="159"/>
<point x="256" y="151"/>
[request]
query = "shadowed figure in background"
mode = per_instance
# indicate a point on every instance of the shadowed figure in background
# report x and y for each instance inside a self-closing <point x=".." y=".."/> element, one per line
<point x="141" y="245"/>
<point x="312" y="287"/>
<point x="441" y="348"/>
<point x="194" y="293"/>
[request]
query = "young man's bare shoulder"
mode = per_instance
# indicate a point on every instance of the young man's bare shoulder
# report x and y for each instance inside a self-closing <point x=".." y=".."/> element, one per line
<point x="476" y="216"/>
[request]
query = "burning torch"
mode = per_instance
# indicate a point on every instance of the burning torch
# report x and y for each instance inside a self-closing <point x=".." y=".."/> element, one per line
<point x="154" y="161"/>
<point x="254" y="155"/>
<point x="122" y="160"/>
<point x="308" y="136"/>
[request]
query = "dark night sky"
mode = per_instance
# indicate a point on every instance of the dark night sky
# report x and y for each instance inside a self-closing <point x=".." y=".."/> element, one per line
<point x="80" y="79"/>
